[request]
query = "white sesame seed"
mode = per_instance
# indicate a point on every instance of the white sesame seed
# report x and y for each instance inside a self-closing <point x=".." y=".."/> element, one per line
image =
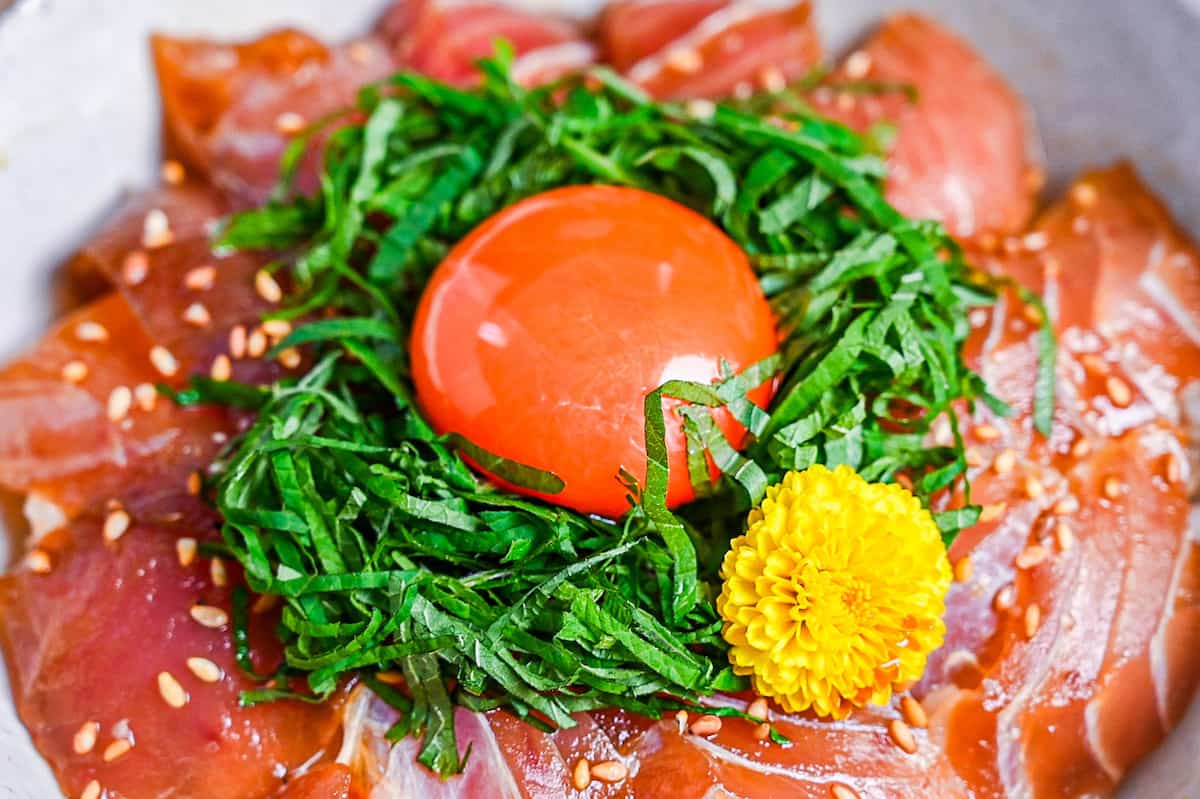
<point x="757" y="709"/>
<point x="610" y="771"/>
<point x="201" y="278"/>
<point x="914" y="712"/>
<point x="85" y="737"/>
<point x="156" y="229"/>
<point x="277" y="328"/>
<point x="1118" y="391"/>
<point x="256" y="343"/>
<point x="135" y="268"/>
<point x="116" y="749"/>
<point x="986" y="432"/>
<point x="706" y="725"/>
<point x="289" y="122"/>
<point x="1036" y="241"/>
<point x="840" y="791"/>
<point x="171" y="691"/>
<point x="845" y="101"/>
<point x="1064" y="536"/>
<point x="360" y="52"/>
<point x="218" y="573"/>
<point x="91" y="332"/>
<point x="204" y="669"/>
<point x="1066" y="506"/>
<point x="686" y="60"/>
<point x="173" y="172"/>
<point x="222" y="368"/>
<point x="1005" y="599"/>
<point x="197" y="315"/>
<point x="762" y="731"/>
<point x="209" y="616"/>
<point x="1084" y="195"/>
<point x="290" y="358"/>
<point x="581" y="775"/>
<point x="1094" y="364"/>
<point x="75" y="372"/>
<point x="194" y="483"/>
<point x="267" y="287"/>
<point x="701" y="109"/>
<point x="120" y="400"/>
<point x="902" y="736"/>
<point x="38" y="561"/>
<point x="1174" y="469"/>
<point x="743" y="90"/>
<point x="237" y="341"/>
<point x="993" y="511"/>
<point x="1031" y="556"/>
<point x="163" y="361"/>
<point x="1005" y="461"/>
<point x="772" y="79"/>
<point x="1033" y="620"/>
<point x="185" y="550"/>
<point x="974" y="457"/>
<point x="91" y="791"/>
<point x="858" y="65"/>
<point x="1034" y="487"/>
<point x="1080" y="225"/>
<point x="1113" y="488"/>
<point x="964" y="567"/>
<point x="116" y="524"/>
<point x="146" y="395"/>
<point x="1081" y="448"/>
<point x="264" y="604"/>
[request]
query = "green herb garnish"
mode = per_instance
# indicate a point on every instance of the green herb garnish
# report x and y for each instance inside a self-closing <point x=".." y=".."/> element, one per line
<point x="390" y="554"/>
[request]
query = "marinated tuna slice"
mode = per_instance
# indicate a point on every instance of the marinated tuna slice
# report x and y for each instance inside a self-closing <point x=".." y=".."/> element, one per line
<point x="444" y="39"/>
<point x="123" y="669"/>
<point x="81" y="421"/>
<point x="631" y="30"/>
<point x="738" y="48"/>
<point x="230" y="109"/>
<point x="963" y="149"/>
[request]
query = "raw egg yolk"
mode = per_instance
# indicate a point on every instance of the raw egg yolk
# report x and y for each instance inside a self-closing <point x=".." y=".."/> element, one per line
<point x="543" y="330"/>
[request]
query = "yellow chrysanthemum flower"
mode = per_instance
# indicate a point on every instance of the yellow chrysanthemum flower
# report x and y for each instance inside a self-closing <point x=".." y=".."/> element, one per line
<point x="834" y="596"/>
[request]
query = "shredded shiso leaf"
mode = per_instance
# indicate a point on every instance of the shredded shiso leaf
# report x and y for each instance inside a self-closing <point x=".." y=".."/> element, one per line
<point x="390" y="554"/>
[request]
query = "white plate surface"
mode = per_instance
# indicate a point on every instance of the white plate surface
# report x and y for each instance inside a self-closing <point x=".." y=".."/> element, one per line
<point x="78" y="123"/>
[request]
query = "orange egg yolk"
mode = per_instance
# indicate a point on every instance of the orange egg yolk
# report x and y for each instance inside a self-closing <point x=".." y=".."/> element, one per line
<point x="543" y="330"/>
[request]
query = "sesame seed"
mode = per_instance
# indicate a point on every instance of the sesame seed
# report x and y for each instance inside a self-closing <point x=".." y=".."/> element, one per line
<point x="762" y="731"/>
<point x="120" y="400"/>
<point x="581" y="775"/>
<point x="701" y="109"/>
<point x="171" y="691"/>
<point x="360" y="52"/>
<point x="201" y="278"/>
<point x="173" y="172"/>
<point x="1174" y="469"/>
<point x="185" y="550"/>
<point x="1080" y="225"/>
<point x="986" y="432"/>
<point x="222" y="368"/>
<point x="256" y="343"/>
<point x="1012" y="245"/>
<point x="1094" y="364"/>
<point x="218" y="573"/>
<point x="902" y="736"/>
<point x="1032" y="314"/>
<point x="992" y="511"/>
<point x="757" y="709"/>
<point x="914" y="712"/>
<point x="237" y="341"/>
<point x="277" y="328"/>
<point x="163" y="361"/>
<point x="1081" y="448"/>
<point x="116" y="524"/>
<point x="1084" y="195"/>
<point x="1118" y="391"/>
<point x="1033" y="620"/>
<point x="156" y="229"/>
<point x="839" y="791"/>
<point x="1031" y="556"/>
<point x="772" y="79"/>
<point x="289" y="122"/>
<point x="91" y="791"/>
<point x="963" y="569"/>
<point x="194" y="483"/>
<point x="75" y="372"/>
<point x="205" y="670"/>
<point x="1034" y="487"/>
<point x="845" y="101"/>
<point x="264" y="604"/>
<point x="116" y="749"/>
<point x="1005" y="599"/>
<point x="267" y="287"/>
<point x="146" y="396"/>
<point x="197" y="315"/>
<point x="85" y="737"/>
<point x="209" y="616"/>
<point x="974" y="457"/>
<point x="390" y="678"/>
<point x="290" y="358"/>
<point x="1113" y="487"/>
<point x="858" y="64"/>
<point x="610" y="771"/>
<point x="1066" y="506"/>
<point x="1051" y="267"/>
<point x="1063" y="536"/>
<point x="1036" y="241"/>
<point x="91" y="332"/>
<point x="135" y="268"/>
<point x="38" y="561"/>
<point x="1005" y="461"/>
<point x="685" y="59"/>
<point x="706" y="725"/>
